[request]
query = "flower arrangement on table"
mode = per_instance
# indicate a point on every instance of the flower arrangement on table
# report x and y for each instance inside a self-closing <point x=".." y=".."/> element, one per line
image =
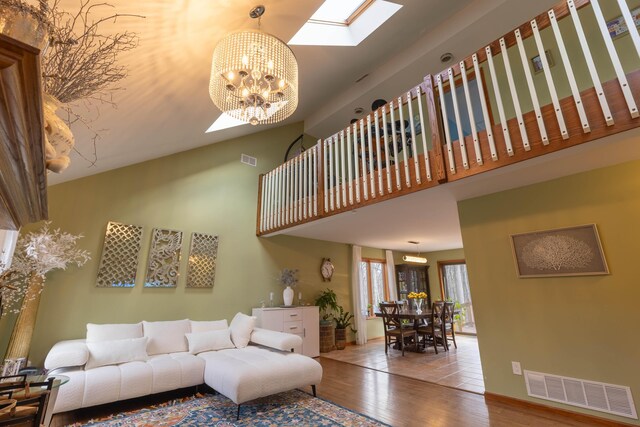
<point x="417" y="295"/>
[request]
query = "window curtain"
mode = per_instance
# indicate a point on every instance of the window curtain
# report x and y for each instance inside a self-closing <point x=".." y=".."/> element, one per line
<point x="391" y="276"/>
<point x="359" y="304"/>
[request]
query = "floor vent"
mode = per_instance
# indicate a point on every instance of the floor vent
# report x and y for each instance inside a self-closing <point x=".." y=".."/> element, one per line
<point x="248" y="160"/>
<point x="609" y="398"/>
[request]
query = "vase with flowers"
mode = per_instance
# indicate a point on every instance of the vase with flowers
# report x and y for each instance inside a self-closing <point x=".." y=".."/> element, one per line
<point x="418" y="298"/>
<point x="289" y="279"/>
<point x="21" y="283"/>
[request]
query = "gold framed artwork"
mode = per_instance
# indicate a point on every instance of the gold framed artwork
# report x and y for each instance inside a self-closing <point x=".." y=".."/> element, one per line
<point x="571" y="251"/>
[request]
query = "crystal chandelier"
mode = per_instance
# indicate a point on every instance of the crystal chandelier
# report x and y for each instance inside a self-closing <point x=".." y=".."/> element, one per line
<point x="254" y="76"/>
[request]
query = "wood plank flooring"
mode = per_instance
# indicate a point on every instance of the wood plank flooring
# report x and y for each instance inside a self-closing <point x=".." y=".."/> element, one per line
<point x="407" y="402"/>
<point x="396" y="400"/>
<point x="458" y="368"/>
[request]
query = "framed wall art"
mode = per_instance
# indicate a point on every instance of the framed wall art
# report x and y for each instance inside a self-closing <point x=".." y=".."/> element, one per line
<point x="120" y="253"/>
<point x="203" y="254"/>
<point x="164" y="259"/>
<point x="571" y="251"/>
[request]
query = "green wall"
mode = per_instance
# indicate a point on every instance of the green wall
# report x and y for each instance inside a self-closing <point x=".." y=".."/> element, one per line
<point x="205" y="190"/>
<point x="582" y="327"/>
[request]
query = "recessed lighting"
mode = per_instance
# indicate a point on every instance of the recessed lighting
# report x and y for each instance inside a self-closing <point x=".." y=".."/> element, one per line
<point x="446" y="57"/>
<point x="358" y="110"/>
<point x="413" y="242"/>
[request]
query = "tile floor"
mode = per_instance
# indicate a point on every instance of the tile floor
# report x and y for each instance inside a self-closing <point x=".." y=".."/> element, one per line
<point x="458" y="368"/>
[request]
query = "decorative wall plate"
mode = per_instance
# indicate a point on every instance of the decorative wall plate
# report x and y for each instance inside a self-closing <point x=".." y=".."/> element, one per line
<point x="202" y="260"/>
<point x="164" y="259"/>
<point x="120" y="253"/>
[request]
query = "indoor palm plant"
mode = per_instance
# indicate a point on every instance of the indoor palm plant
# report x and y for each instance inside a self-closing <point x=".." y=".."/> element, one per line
<point x="343" y="321"/>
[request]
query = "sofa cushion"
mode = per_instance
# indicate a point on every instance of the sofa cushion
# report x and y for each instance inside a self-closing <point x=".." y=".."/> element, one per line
<point x="241" y="328"/>
<point x="110" y="332"/>
<point x="167" y="336"/>
<point x="117" y="351"/>
<point x="66" y="354"/>
<point x="212" y="325"/>
<point x="209" y="340"/>
<point x="253" y="372"/>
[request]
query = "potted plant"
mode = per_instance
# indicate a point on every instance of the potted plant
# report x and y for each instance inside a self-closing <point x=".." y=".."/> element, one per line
<point x="343" y="321"/>
<point x="327" y="304"/>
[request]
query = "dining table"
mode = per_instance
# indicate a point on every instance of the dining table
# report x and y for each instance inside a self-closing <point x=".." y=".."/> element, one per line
<point x="417" y="318"/>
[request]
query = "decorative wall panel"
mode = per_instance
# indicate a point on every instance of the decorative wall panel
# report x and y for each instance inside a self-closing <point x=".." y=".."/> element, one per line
<point x="120" y="253"/>
<point x="164" y="259"/>
<point x="202" y="260"/>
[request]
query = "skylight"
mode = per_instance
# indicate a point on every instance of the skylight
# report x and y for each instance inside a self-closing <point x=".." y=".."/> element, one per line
<point x="225" y="121"/>
<point x="344" y="22"/>
<point x="340" y="11"/>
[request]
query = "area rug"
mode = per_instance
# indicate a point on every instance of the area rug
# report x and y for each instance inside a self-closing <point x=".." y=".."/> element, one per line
<point x="292" y="408"/>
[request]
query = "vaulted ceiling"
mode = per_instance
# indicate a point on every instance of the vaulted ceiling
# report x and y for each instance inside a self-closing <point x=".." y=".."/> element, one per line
<point x="164" y="105"/>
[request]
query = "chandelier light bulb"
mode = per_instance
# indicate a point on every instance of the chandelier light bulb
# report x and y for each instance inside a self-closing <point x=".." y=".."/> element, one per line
<point x="254" y="77"/>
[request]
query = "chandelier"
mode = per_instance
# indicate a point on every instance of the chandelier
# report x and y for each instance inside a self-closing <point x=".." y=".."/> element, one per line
<point x="254" y="76"/>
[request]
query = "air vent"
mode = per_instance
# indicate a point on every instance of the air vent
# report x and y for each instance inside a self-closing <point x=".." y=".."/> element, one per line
<point x="248" y="160"/>
<point x="609" y="398"/>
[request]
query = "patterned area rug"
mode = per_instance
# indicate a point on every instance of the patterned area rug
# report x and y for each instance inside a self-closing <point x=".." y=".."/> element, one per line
<point x="292" y="408"/>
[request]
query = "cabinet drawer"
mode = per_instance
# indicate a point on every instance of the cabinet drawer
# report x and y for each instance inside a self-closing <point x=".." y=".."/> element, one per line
<point x="293" y="314"/>
<point x="294" y="327"/>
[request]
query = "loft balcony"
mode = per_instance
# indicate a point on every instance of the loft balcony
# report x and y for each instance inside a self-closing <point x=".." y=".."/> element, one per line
<point x="508" y="102"/>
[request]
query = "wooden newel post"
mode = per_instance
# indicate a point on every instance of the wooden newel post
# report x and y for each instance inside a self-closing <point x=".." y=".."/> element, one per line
<point x="23" y="331"/>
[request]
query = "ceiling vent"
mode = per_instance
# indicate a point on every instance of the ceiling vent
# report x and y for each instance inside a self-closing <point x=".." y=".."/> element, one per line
<point x="609" y="398"/>
<point x="248" y="160"/>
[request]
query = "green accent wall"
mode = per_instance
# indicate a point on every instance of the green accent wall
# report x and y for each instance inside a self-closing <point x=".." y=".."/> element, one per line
<point x="584" y="327"/>
<point x="205" y="190"/>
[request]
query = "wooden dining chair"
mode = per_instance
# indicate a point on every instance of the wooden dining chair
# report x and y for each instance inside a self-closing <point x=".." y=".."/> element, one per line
<point x="393" y="330"/>
<point x="447" y="324"/>
<point x="22" y="403"/>
<point x="433" y="330"/>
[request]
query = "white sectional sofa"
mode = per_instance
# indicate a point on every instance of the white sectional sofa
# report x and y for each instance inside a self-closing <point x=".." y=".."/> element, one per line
<point x="123" y="361"/>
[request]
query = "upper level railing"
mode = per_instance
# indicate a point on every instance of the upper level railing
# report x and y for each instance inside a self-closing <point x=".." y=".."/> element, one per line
<point x="505" y="103"/>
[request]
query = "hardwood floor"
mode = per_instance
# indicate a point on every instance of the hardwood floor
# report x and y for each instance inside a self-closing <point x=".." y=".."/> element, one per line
<point x="393" y="399"/>
<point x="458" y="368"/>
<point x="407" y="402"/>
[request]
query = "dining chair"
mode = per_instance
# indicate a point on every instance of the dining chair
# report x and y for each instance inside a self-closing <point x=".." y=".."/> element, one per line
<point x="23" y="403"/>
<point x="433" y="330"/>
<point x="393" y="330"/>
<point x="447" y="323"/>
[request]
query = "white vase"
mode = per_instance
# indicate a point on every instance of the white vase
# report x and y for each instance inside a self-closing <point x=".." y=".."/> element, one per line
<point x="287" y="295"/>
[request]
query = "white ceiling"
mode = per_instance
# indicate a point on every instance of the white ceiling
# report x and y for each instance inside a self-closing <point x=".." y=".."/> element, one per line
<point x="164" y="106"/>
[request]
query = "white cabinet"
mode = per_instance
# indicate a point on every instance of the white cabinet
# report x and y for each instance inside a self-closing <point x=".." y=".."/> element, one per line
<point x="302" y="321"/>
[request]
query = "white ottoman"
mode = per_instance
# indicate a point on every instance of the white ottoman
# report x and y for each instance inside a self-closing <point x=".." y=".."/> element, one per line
<point x="252" y="372"/>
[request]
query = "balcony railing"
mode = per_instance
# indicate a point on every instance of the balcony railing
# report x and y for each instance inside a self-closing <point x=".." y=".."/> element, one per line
<point x="505" y="103"/>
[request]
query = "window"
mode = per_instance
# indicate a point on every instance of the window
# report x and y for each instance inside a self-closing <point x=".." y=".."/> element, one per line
<point x="344" y="22"/>
<point x="340" y="12"/>
<point x="373" y="283"/>
<point x="455" y="287"/>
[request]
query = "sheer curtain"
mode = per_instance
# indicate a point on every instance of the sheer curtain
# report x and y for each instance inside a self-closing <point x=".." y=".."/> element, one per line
<point x="359" y="303"/>
<point x="391" y="276"/>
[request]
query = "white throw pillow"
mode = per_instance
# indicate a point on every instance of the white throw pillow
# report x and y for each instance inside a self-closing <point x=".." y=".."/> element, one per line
<point x="213" y="325"/>
<point x="115" y="352"/>
<point x="166" y="337"/>
<point x="209" y="340"/>
<point x="241" y="328"/>
<point x="110" y="332"/>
